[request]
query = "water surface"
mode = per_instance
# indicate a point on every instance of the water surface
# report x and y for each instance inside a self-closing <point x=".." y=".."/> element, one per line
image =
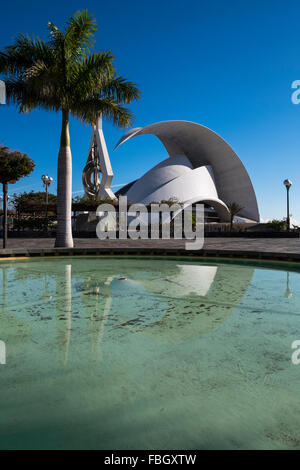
<point x="183" y="354"/>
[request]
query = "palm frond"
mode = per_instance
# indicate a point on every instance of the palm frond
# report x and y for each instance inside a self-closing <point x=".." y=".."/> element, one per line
<point x="120" y="89"/>
<point x="25" y="51"/>
<point x="57" y="38"/>
<point x="91" y="71"/>
<point x="80" y="33"/>
<point x="89" y="110"/>
<point x="28" y="97"/>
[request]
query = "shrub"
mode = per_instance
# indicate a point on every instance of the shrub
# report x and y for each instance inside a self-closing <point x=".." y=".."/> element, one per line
<point x="277" y="225"/>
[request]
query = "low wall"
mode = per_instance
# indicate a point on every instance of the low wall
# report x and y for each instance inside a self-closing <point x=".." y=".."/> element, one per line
<point x="252" y="235"/>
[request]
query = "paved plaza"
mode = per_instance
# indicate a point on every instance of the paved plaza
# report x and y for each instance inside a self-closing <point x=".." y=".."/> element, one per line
<point x="285" y="247"/>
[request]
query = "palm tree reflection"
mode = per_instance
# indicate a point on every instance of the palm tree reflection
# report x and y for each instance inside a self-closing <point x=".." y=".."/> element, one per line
<point x="96" y="297"/>
<point x="64" y="313"/>
<point x="288" y="292"/>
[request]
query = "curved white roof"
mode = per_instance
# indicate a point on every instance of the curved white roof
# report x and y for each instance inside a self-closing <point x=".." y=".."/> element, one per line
<point x="203" y="148"/>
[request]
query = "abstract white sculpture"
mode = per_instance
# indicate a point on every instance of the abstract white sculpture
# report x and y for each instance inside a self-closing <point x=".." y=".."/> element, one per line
<point x="98" y="163"/>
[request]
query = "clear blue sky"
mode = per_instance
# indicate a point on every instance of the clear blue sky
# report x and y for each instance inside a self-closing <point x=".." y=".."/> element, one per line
<point x="227" y="64"/>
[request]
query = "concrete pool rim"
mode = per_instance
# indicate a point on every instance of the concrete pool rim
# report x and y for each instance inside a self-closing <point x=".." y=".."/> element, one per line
<point x="215" y="254"/>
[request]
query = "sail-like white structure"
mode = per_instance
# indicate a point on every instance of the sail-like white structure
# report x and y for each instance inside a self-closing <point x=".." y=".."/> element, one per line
<point x="201" y="168"/>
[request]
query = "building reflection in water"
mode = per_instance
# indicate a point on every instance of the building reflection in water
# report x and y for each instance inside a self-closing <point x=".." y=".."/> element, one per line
<point x="185" y="302"/>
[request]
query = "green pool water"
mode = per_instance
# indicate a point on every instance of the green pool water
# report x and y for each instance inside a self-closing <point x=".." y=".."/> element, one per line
<point x="183" y="354"/>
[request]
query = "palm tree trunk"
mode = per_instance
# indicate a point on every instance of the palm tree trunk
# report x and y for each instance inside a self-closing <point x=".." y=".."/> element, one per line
<point x="64" y="187"/>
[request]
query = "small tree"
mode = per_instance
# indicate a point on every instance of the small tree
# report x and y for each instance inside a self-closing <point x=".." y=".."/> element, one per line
<point x="13" y="166"/>
<point x="277" y="225"/>
<point x="234" y="209"/>
<point x="37" y="197"/>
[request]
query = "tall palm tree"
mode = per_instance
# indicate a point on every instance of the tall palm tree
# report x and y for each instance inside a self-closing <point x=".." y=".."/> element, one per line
<point x="63" y="75"/>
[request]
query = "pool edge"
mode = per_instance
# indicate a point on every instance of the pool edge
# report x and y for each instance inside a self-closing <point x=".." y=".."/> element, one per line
<point x="13" y="254"/>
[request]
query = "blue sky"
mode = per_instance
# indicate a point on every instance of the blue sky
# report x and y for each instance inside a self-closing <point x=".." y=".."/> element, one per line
<point x="226" y="64"/>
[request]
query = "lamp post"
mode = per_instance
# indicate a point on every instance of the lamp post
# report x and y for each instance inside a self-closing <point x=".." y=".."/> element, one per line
<point x="47" y="180"/>
<point x="287" y="184"/>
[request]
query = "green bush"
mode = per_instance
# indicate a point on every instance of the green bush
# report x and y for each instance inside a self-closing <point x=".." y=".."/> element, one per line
<point x="38" y="197"/>
<point x="277" y="225"/>
<point x="30" y="224"/>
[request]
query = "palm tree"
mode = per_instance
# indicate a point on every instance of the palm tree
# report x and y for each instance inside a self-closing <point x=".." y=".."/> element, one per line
<point x="63" y="75"/>
<point x="234" y="209"/>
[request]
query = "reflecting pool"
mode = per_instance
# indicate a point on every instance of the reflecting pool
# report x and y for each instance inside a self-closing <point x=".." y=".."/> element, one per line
<point x="141" y="353"/>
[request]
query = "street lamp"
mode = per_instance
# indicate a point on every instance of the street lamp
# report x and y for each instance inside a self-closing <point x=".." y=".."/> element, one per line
<point x="287" y="184"/>
<point x="47" y="180"/>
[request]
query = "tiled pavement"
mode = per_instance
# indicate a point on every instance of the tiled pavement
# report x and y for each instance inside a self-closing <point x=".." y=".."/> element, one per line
<point x="286" y="248"/>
